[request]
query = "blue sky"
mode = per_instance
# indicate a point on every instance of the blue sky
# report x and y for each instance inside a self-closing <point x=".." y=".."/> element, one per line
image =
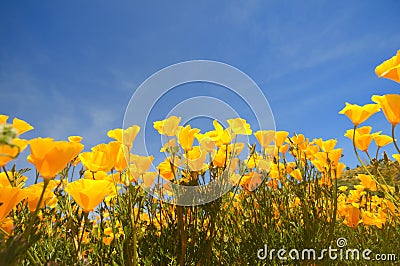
<point x="71" y="67"/>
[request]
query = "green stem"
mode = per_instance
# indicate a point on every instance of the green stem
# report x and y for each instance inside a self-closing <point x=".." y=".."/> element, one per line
<point x="72" y="175"/>
<point x="9" y="180"/>
<point x="377" y="153"/>
<point x="394" y="140"/>
<point x="369" y="173"/>
<point x="4" y="232"/>
<point x="133" y="224"/>
<point x="45" y="184"/>
<point x="85" y="217"/>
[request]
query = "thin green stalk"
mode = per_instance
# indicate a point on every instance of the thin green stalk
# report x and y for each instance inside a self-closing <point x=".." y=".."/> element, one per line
<point x="394" y="140"/>
<point x="4" y="232"/>
<point x="366" y="169"/>
<point x="377" y="153"/>
<point x="85" y="218"/>
<point x="8" y="177"/>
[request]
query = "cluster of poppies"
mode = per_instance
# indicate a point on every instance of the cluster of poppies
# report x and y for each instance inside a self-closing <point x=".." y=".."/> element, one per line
<point x="110" y="169"/>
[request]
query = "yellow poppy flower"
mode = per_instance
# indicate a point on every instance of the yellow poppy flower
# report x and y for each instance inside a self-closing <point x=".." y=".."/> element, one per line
<point x="10" y="145"/>
<point x="7" y="225"/>
<point x="207" y="144"/>
<point x="298" y="139"/>
<point x="359" y="131"/>
<point x="125" y="137"/>
<point x="390" y="104"/>
<point x="167" y="169"/>
<point x="334" y="156"/>
<point x="363" y="130"/>
<point x="326" y="145"/>
<point x="390" y="69"/>
<point x="264" y="164"/>
<point x="103" y="157"/>
<point x="142" y="163"/>
<point x="148" y="179"/>
<point x="273" y="183"/>
<point x="50" y="157"/>
<point x="280" y="138"/>
<point x="338" y="171"/>
<point x="216" y="133"/>
<point x="382" y="140"/>
<point x="226" y="137"/>
<point x="297" y="175"/>
<point x="186" y="137"/>
<point x="9" y="151"/>
<point x="120" y="159"/>
<point x="290" y="167"/>
<point x="362" y="138"/>
<point x="359" y="114"/>
<point x="251" y="181"/>
<point x="9" y="198"/>
<point x="169" y="146"/>
<point x="310" y="151"/>
<point x="96" y="161"/>
<point x="19" y="125"/>
<point x="252" y="160"/>
<point x="4" y="182"/>
<point x="265" y="137"/>
<point x="367" y="182"/>
<point x="369" y="218"/>
<point x="89" y="193"/>
<point x="75" y="139"/>
<point x="239" y="126"/>
<point x="283" y="149"/>
<point x="397" y="157"/>
<point x="219" y="158"/>
<point x="3" y="119"/>
<point x="195" y="159"/>
<point x="33" y="193"/>
<point x="352" y="217"/>
<point x="16" y="179"/>
<point x="363" y="142"/>
<point x="168" y="127"/>
<point x="320" y="165"/>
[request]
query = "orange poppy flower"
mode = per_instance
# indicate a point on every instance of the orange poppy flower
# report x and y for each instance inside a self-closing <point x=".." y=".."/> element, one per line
<point x="280" y="138"/>
<point x="9" y="151"/>
<point x="19" y="125"/>
<point x="142" y="163"/>
<point x="265" y="137"/>
<point x="89" y="193"/>
<point x="382" y="140"/>
<point x="186" y="137"/>
<point x="167" y="170"/>
<point x="33" y="193"/>
<point x="297" y="175"/>
<point x="390" y="69"/>
<point x="359" y="114"/>
<point x="239" y="126"/>
<point x="367" y="182"/>
<point x="9" y="198"/>
<point x="50" y="157"/>
<point x="390" y="104"/>
<point x="125" y="137"/>
<point x="169" y="127"/>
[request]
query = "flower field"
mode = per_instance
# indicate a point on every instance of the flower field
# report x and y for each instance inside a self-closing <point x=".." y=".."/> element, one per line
<point x="94" y="207"/>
